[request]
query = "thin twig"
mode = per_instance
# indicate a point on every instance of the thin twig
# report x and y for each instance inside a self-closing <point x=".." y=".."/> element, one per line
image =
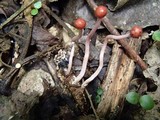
<point x="47" y="9"/>
<point x="16" y="14"/>
<point x="24" y="62"/>
<point x="52" y="69"/>
<point x="5" y="64"/>
<point x="92" y="106"/>
<point x="17" y="36"/>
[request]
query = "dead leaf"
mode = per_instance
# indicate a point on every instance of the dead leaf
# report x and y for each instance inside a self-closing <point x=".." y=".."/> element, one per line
<point x="43" y="38"/>
<point x="152" y="58"/>
<point x="119" y="4"/>
<point x="4" y="44"/>
<point x="8" y="7"/>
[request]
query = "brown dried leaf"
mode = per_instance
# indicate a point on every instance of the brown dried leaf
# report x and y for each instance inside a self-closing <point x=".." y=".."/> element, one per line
<point x="40" y="34"/>
<point x="4" y="44"/>
<point x="152" y="57"/>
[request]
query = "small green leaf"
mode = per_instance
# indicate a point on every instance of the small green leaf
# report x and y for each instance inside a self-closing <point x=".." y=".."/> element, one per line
<point x="98" y="99"/>
<point x="156" y="35"/>
<point x="132" y="97"/>
<point x="146" y="102"/>
<point x="99" y="91"/>
<point x="37" y="5"/>
<point x="34" y="12"/>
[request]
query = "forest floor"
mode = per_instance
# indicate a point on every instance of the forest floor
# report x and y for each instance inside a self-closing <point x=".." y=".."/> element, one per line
<point x="38" y="42"/>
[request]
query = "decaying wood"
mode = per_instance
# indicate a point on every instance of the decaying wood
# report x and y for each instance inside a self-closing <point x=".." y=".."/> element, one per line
<point x="119" y="72"/>
<point x="116" y="82"/>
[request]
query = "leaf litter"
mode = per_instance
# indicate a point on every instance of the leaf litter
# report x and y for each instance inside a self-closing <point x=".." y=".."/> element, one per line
<point x="122" y="13"/>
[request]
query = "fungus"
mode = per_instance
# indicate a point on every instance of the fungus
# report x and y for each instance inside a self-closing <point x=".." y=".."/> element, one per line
<point x="135" y="32"/>
<point x="100" y="12"/>
<point x="80" y="24"/>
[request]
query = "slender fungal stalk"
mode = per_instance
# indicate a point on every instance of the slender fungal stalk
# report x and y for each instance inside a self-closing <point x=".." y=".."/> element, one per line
<point x="87" y="48"/>
<point x="118" y="37"/>
<point x="70" y="59"/>
<point x="74" y="39"/>
<point x="85" y="83"/>
<point x="101" y="56"/>
<point x="84" y="64"/>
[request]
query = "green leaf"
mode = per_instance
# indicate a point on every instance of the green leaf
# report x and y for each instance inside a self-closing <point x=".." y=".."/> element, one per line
<point x="99" y="91"/>
<point x="34" y="12"/>
<point x="132" y="97"/>
<point x="146" y="102"/>
<point x="37" y="5"/>
<point x="156" y="35"/>
<point x="98" y="99"/>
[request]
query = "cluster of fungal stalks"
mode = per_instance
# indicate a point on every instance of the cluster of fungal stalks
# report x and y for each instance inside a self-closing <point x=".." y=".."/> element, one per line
<point x="80" y="23"/>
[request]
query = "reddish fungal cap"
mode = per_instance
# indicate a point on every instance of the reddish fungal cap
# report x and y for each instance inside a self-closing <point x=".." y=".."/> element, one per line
<point x="80" y="23"/>
<point x="136" y="31"/>
<point x="101" y="11"/>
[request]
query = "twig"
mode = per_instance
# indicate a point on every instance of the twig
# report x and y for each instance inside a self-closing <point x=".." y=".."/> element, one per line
<point x="52" y="69"/>
<point x="15" y="35"/>
<point x="47" y="9"/>
<point x="92" y="106"/>
<point x="122" y="42"/>
<point x="7" y="80"/>
<point x="16" y="14"/>
<point x="5" y="64"/>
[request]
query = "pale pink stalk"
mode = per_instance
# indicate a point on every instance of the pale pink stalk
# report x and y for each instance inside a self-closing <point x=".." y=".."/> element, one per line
<point x="118" y="37"/>
<point x="101" y="56"/>
<point x="70" y="59"/>
<point x="86" y="56"/>
<point x="85" y="83"/>
<point x="74" y="39"/>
